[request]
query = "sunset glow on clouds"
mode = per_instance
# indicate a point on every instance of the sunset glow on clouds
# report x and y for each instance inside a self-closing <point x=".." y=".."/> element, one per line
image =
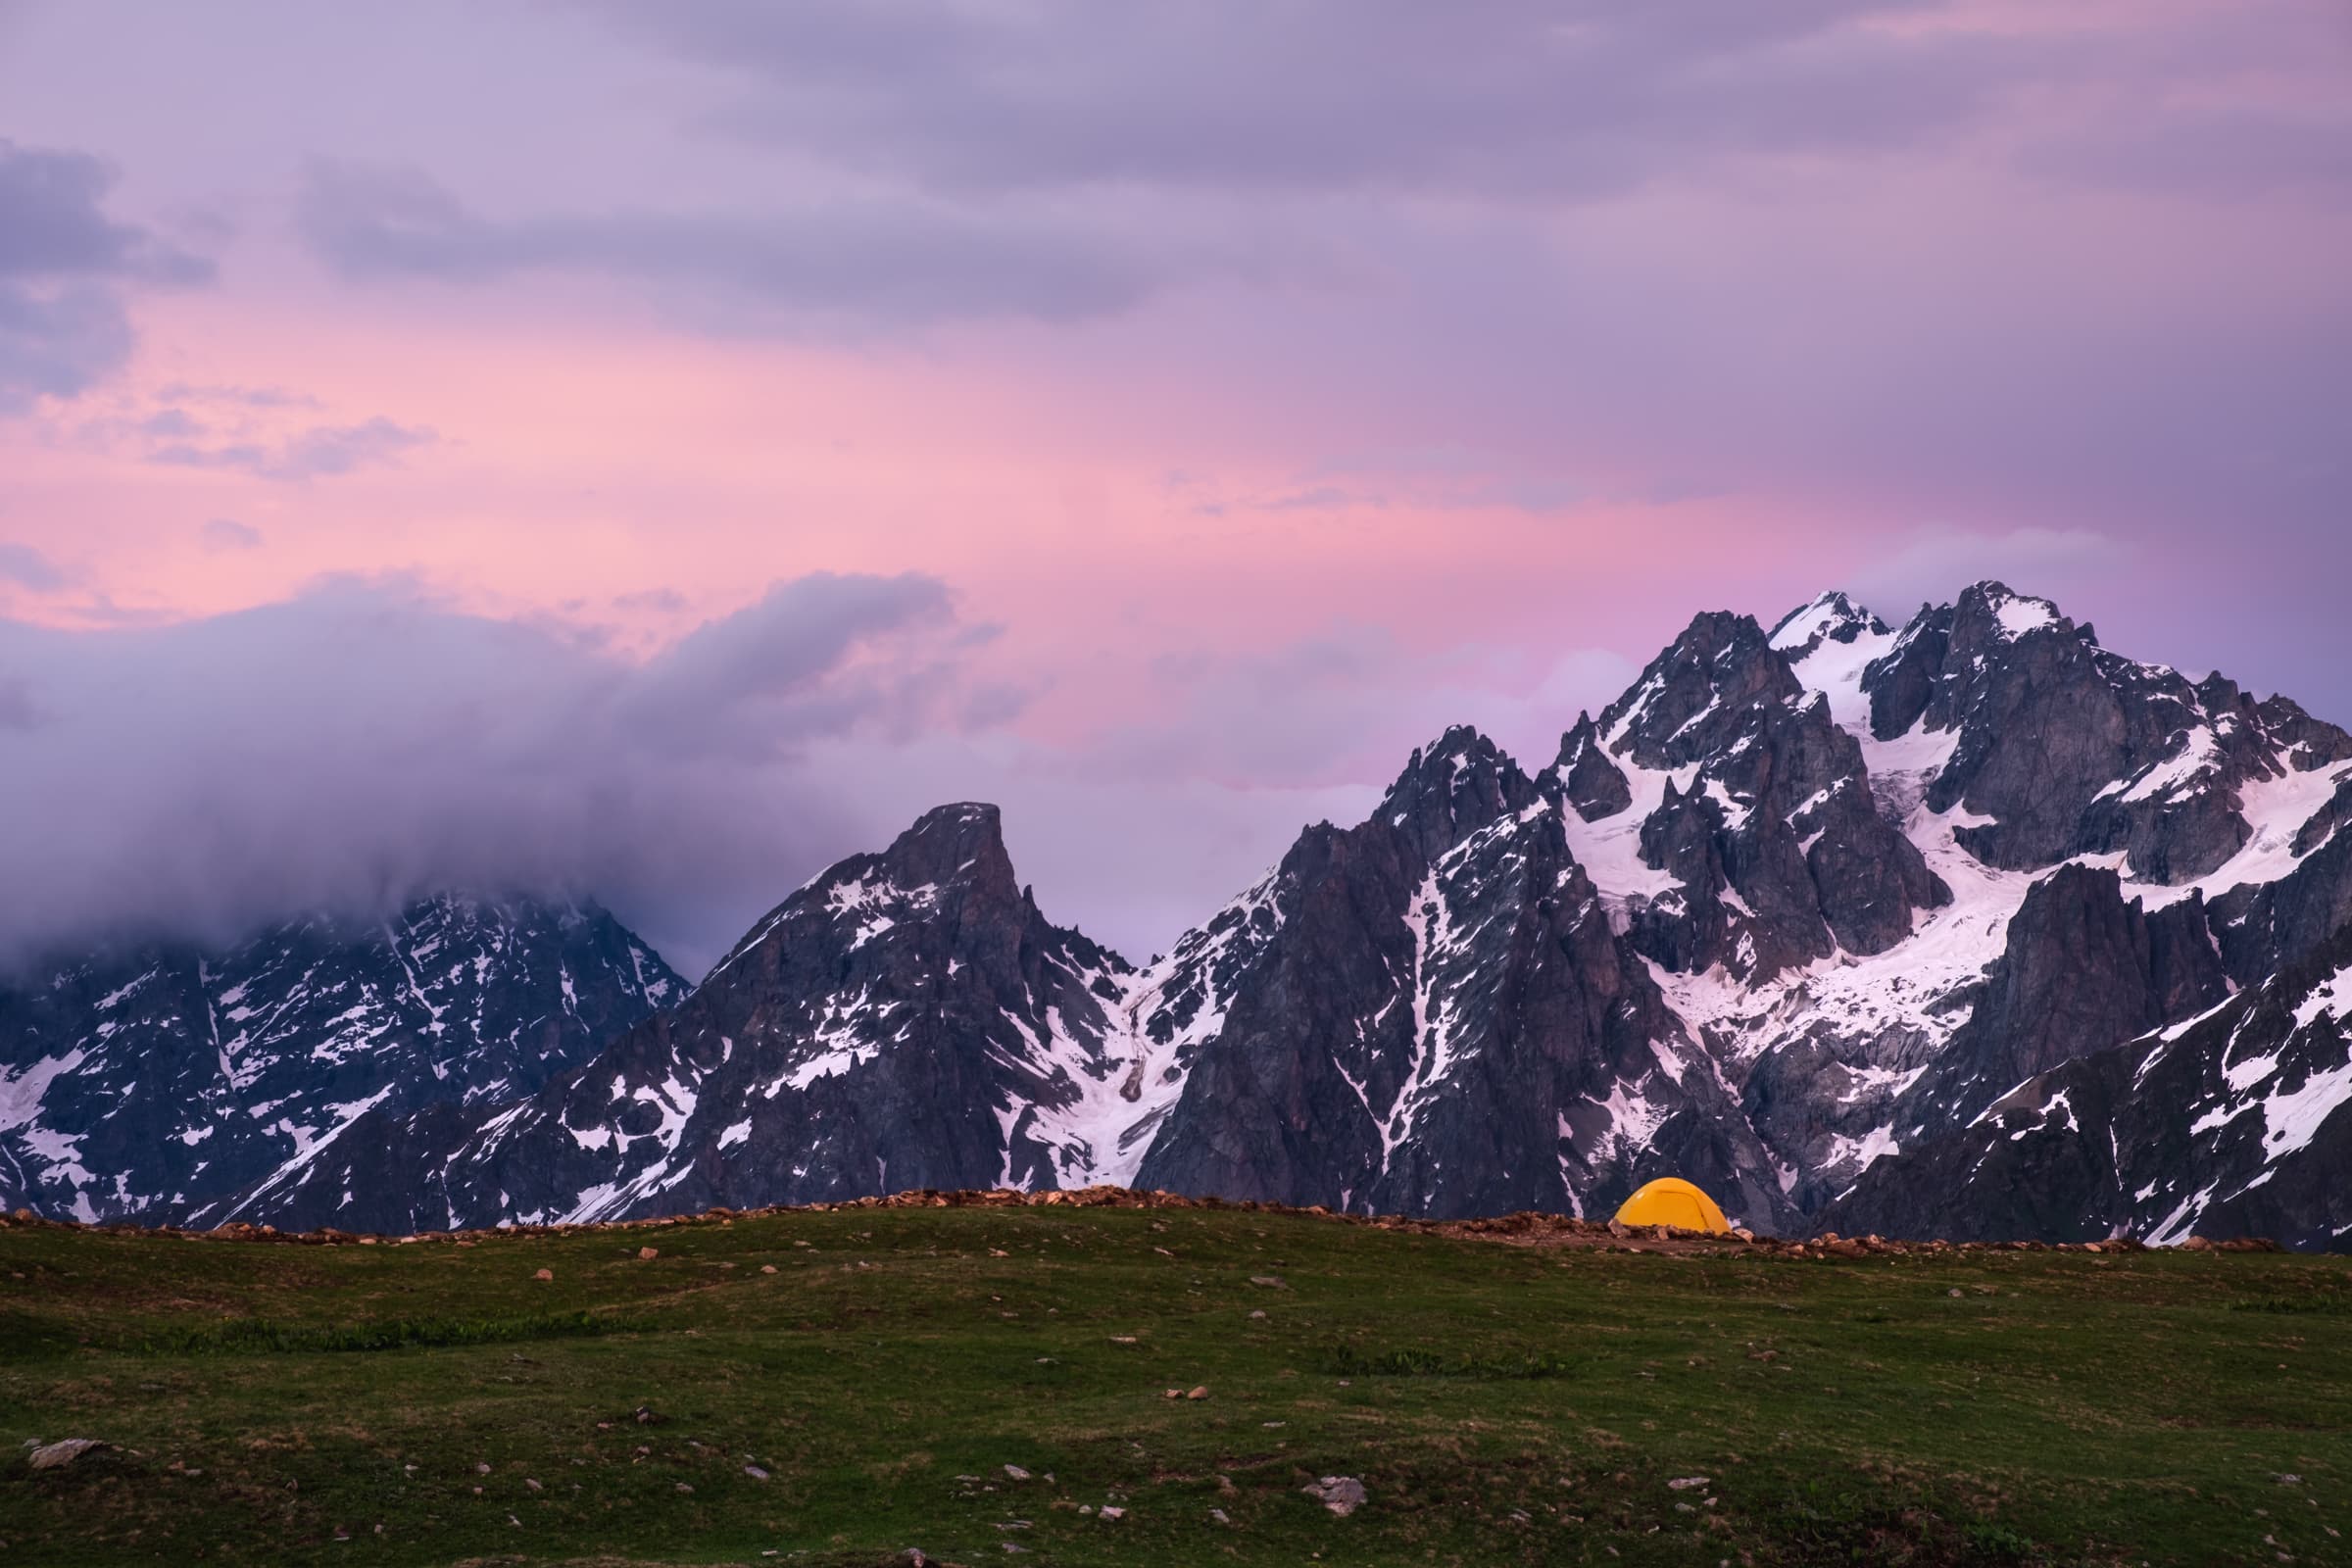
<point x="1235" y="396"/>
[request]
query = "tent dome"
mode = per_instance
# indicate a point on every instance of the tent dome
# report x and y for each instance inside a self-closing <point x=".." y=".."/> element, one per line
<point x="1671" y="1200"/>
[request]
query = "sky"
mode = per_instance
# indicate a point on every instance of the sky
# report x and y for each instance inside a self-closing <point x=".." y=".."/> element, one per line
<point x="653" y="452"/>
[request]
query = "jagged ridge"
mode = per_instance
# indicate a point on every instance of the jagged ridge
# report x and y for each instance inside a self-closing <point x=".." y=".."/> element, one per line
<point x="1794" y="917"/>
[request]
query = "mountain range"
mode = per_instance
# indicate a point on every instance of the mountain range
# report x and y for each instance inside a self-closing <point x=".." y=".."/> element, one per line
<point x="1970" y="927"/>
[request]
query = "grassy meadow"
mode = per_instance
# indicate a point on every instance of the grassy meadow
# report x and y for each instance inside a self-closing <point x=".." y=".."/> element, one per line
<point x="992" y="1385"/>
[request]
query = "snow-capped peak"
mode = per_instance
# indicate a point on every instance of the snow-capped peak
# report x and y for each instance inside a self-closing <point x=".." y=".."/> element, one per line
<point x="1831" y="617"/>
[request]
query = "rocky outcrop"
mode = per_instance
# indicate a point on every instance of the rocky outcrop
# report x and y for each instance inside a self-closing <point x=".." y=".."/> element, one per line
<point x="1775" y="839"/>
<point x="1593" y="786"/>
<point x="2082" y="969"/>
<point x="2232" y="1123"/>
<point x="2064" y="749"/>
<point x="2261" y="926"/>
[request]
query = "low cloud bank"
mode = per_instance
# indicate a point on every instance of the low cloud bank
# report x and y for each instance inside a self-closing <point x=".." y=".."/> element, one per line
<point x="363" y="743"/>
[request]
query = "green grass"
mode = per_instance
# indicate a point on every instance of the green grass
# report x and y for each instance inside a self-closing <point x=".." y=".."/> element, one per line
<point x="2331" y="1303"/>
<point x="250" y="1336"/>
<point x="1349" y="1361"/>
<point x="1502" y="1404"/>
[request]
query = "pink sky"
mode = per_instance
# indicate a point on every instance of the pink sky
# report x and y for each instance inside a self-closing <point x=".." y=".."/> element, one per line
<point x="1262" y="396"/>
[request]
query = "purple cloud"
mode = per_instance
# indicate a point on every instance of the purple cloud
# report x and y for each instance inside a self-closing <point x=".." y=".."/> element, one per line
<point x="64" y="264"/>
<point x="1518" y="97"/>
<point x="224" y="534"/>
<point x="854" y="262"/>
<point x="324" y="450"/>
<point x="361" y="742"/>
<point x="28" y="568"/>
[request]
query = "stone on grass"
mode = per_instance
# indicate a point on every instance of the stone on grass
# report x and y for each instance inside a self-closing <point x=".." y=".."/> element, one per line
<point x="56" y="1455"/>
<point x="1342" y="1495"/>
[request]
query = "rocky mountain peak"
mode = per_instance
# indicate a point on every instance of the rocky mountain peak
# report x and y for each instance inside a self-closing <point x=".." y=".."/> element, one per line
<point x="1594" y="785"/>
<point x="1988" y="613"/>
<point x="2060" y="748"/>
<point x="1832" y="617"/>
<point x="953" y="856"/>
<point x="1452" y="788"/>
<point x="1688" y="702"/>
<point x="960" y="842"/>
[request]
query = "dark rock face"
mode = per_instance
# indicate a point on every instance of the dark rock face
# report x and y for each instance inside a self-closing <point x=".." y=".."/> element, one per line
<point x="908" y="1019"/>
<point x="160" y="1084"/>
<point x="1593" y="784"/>
<point x="2041" y="728"/>
<point x="1694" y="701"/>
<point x="2081" y="971"/>
<point x="2261" y="925"/>
<point x="2324" y="822"/>
<point x="2229" y="1124"/>
<point x="1777" y="840"/>
<point x="1448" y="1025"/>
<point x="2070" y="750"/>
<point x="1452" y="790"/>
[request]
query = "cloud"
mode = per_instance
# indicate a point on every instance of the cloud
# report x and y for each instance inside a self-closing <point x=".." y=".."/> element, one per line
<point x="2237" y="155"/>
<point x="1522" y="99"/>
<point x="249" y="397"/>
<point x="172" y="421"/>
<point x="659" y="600"/>
<point x="323" y="451"/>
<point x="28" y="568"/>
<point x="1345" y="705"/>
<point x="224" y="534"/>
<point x="849" y="263"/>
<point x="1139" y="831"/>
<point x="53" y="227"/>
<point x="364" y="742"/>
<point x="326" y="450"/>
<point x="65" y="265"/>
<point x="1439" y="479"/>
<point x="1935" y="564"/>
<point x="17" y="711"/>
<point x="361" y="742"/>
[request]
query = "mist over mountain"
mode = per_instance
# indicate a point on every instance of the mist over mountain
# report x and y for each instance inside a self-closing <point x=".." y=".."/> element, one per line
<point x="366" y="744"/>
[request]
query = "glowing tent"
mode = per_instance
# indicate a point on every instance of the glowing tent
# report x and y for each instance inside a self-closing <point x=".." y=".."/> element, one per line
<point x="1671" y="1200"/>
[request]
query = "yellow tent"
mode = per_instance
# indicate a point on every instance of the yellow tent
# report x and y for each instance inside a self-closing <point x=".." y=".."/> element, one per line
<point x="1671" y="1200"/>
